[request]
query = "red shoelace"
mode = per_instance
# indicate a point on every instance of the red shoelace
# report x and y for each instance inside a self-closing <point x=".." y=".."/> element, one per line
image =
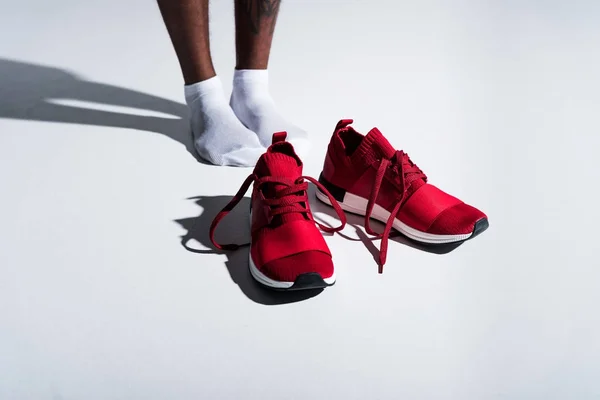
<point x="407" y="172"/>
<point x="292" y="199"/>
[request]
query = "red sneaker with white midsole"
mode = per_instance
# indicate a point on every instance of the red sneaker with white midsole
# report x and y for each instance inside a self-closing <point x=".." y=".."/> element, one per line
<point x="287" y="251"/>
<point x="367" y="176"/>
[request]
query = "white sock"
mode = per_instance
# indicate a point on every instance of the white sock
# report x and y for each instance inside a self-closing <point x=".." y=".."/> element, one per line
<point x="219" y="137"/>
<point x="253" y="105"/>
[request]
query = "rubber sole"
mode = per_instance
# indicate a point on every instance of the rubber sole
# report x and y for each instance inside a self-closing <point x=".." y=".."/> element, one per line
<point x="357" y="205"/>
<point x="308" y="281"/>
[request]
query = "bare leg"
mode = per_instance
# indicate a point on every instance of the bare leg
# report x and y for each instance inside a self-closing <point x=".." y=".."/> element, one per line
<point x="254" y="26"/>
<point x="219" y="136"/>
<point x="250" y="100"/>
<point x="187" y="24"/>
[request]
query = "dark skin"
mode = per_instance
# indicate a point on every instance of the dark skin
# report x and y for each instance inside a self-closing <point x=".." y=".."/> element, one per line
<point x="254" y="26"/>
<point x="187" y="24"/>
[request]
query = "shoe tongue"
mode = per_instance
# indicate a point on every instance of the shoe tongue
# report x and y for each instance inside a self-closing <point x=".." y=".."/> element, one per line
<point x="413" y="180"/>
<point x="280" y="160"/>
<point x="375" y="145"/>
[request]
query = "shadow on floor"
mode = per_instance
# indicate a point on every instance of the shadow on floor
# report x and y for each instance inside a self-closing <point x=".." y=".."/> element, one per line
<point x="234" y="228"/>
<point x="33" y="92"/>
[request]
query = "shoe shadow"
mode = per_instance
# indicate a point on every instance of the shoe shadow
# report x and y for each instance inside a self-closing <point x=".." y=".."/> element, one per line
<point x="38" y="93"/>
<point x="234" y="228"/>
<point x="357" y="222"/>
<point x="41" y="93"/>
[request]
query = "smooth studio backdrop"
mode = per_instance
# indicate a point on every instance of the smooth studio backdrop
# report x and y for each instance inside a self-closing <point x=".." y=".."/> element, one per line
<point x="109" y="288"/>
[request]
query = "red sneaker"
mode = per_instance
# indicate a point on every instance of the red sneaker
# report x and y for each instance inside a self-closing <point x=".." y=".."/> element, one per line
<point x="367" y="176"/>
<point x="287" y="251"/>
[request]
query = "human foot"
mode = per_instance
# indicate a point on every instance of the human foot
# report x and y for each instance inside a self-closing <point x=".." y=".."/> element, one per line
<point x="253" y="105"/>
<point x="219" y="137"/>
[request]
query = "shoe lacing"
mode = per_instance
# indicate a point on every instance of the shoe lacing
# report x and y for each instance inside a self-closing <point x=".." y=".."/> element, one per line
<point x="291" y="199"/>
<point x="405" y="172"/>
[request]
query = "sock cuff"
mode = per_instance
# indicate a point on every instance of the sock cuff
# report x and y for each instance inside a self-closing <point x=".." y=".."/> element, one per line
<point x="251" y="75"/>
<point x="202" y="88"/>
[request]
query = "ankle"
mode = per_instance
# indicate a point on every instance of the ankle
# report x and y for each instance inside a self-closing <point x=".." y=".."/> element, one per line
<point x="251" y="75"/>
<point x="250" y="82"/>
<point x="209" y="90"/>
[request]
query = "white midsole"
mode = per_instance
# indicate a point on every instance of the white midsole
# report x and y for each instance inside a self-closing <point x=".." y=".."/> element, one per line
<point x="358" y="205"/>
<point x="265" y="280"/>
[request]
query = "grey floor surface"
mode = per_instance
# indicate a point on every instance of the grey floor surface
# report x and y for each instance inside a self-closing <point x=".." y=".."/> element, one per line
<point x="109" y="290"/>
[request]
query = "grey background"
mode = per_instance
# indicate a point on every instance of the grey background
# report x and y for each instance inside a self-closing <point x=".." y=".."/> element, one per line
<point x="496" y="100"/>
